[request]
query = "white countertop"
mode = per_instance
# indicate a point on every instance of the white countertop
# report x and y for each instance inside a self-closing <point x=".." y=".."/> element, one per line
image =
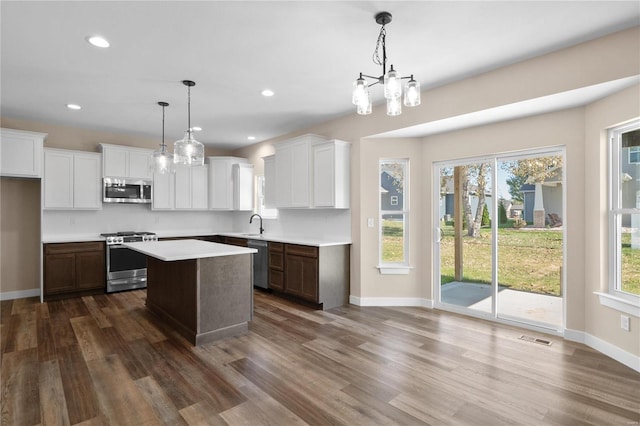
<point x="186" y="249"/>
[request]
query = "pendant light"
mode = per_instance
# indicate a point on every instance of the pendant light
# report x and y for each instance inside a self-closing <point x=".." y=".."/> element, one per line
<point x="391" y="80"/>
<point x="163" y="159"/>
<point x="188" y="151"/>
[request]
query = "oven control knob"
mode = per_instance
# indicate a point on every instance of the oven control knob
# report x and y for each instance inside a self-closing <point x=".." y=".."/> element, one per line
<point x="109" y="240"/>
<point x="119" y="240"/>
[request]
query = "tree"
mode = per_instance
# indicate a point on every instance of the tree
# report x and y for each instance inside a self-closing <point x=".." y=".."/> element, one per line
<point x="478" y="173"/>
<point x="486" y="219"/>
<point x="502" y="212"/>
<point x="515" y="184"/>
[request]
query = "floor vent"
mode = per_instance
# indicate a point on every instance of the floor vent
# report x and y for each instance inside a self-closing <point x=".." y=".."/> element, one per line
<point x="535" y="340"/>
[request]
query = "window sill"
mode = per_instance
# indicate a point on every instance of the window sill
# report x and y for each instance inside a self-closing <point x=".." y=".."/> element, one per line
<point x="618" y="303"/>
<point x="394" y="270"/>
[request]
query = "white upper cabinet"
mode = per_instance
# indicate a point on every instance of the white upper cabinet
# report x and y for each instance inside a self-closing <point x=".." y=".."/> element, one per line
<point x="293" y="171"/>
<point x="310" y="171"/>
<point x="21" y="153"/>
<point x="331" y="174"/>
<point x="72" y="180"/>
<point x="164" y="189"/>
<point x="230" y="183"/>
<point x="126" y="162"/>
<point x="191" y="183"/>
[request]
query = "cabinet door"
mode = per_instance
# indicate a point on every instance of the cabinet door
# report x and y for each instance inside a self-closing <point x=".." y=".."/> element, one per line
<point x="183" y="187"/>
<point x="301" y="277"/>
<point x="87" y="175"/>
<point x="140" y="164"/>
<point x="21" y="153"/>
<point x="59" y="273"/>
<point x="270" y="181"/>
<point x="115" y="162"/>
<point x="284" y="167"/>
<point x="90" y="270"/>
<point x="220" y="185"/>
<point x="300" y="175"/>
<point x="199" y="187"/>
<point x="324" y="175"/>
<point x="243" y="187"/>
<point x="58" y="179"/>
<point x="163" y="191"/>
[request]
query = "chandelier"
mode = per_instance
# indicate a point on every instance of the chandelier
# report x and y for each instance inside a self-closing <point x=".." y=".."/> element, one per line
<point x="188" y="151"/>
<point x="391" y="80"/>
<point x="163" y="159"/>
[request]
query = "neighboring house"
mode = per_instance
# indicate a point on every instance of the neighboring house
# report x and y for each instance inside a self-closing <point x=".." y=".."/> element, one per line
<point x="391" y="193"/>
<point x="630" y="179"/>
<point x="551" y="197"/>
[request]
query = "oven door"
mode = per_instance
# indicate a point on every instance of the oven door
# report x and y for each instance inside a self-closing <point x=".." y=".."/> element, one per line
<point x="126" y="269"/>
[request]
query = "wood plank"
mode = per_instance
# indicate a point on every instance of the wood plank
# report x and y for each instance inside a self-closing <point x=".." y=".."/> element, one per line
<point x="201" y="414"/>
<point x="53" y="404"/>
<point x="96" y="312"/>
<point x="119" y="398"/>
<point x="82" y="403"/>
<point x="159" y="401"/>
<point x="90" y="338"/>
<point x="20" y="387"/>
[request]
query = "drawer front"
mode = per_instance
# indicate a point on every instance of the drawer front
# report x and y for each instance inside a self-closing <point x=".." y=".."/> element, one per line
<point x="276" y="260"/>
<point x="60" y="248"/>
<point x="236" y="241"/>
<point x="308" y="251"/>
<point x="279" y="247"/>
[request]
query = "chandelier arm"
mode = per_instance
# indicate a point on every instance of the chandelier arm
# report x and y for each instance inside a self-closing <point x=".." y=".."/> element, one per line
<point x="374" y="83"/>
<point x="369" y="76"/>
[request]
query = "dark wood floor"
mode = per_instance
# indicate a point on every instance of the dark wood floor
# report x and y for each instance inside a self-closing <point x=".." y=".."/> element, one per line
<point x="106" y="360"/>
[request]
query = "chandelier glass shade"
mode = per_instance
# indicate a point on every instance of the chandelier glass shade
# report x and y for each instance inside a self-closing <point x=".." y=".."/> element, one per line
<point x="187" y="150"/>
<point x="163" y="159"/>
<point x="391" y="80"/>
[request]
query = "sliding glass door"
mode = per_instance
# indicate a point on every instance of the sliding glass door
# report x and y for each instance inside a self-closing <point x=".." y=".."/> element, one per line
<point x="500" y="246"/>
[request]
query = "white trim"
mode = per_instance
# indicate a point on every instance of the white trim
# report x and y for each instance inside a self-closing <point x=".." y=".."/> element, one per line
<point x="630" y="360"/>
<point x="391" y="301"/>
<point x="618" y="303"/>
<point x="394" y="270"/>
<point x="20" y="294"/>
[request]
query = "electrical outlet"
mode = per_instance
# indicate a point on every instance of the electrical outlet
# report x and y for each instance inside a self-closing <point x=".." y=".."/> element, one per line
<point x="370" y="222"/>
<point x="624" y="322"/>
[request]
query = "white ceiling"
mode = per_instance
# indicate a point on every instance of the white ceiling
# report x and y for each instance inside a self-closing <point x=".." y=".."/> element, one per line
<point x="307" y="52"/>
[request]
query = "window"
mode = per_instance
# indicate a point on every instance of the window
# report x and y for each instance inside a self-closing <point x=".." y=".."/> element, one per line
<point x="261" y="209"/>
<point x="624" y="213"/>
<point x="394" y="216"/>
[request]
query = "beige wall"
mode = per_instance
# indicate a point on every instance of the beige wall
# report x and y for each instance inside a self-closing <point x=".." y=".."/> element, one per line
<point x="19" y="234"/>
<point x="601" y="321"/>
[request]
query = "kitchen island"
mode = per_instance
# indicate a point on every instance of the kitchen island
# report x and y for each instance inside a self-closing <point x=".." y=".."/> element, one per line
<point x="203" y="289"/>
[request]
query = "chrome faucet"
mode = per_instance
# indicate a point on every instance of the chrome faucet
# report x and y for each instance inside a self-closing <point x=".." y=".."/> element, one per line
<point x="260" y="217"/>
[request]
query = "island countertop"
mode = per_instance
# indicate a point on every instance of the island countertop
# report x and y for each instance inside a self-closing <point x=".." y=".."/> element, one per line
<point x="186" y="249"/>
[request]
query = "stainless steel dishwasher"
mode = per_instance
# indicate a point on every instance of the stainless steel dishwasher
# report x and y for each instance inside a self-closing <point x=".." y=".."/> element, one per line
<point x="260" y="263"/>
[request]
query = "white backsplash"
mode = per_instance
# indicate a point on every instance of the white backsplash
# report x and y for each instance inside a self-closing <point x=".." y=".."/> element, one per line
<point x="308" y="223"/>
<point x="132" y="217"/>
<point x="321" y="223"/>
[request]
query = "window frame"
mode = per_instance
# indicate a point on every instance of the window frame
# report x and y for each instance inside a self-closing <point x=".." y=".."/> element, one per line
<point x="386" y="267"/>
<point x="260" y="208"/>
<point x="615" y="297"/>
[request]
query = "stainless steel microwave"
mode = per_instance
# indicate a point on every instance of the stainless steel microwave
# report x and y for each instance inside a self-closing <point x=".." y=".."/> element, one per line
<point x="126" y="191"/>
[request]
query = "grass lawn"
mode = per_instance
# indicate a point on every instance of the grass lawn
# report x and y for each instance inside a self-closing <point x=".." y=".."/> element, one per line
<point x="528" y="260"/>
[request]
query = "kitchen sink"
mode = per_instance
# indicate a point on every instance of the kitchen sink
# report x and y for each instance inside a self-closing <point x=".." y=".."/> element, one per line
<point x="252" y="235"/>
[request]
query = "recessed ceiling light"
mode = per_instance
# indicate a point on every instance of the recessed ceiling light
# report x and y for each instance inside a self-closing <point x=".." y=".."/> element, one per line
<point x="98" y="41"/>
<point x="251" y="138"/>
<point x="267" y="92"/>
<point x="73" y="106"/>
<point x="196" y="128"/>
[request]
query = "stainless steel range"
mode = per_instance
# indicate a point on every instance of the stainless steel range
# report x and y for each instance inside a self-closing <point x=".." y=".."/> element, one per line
<point x="126" y="268"/>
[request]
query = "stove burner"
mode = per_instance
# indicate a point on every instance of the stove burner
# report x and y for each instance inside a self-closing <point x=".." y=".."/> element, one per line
<point x="128" y="237"/>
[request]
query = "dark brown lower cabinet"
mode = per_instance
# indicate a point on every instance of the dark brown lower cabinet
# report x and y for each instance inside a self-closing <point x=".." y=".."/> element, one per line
<point x="318" y="275"/>
<point x="74" y="269"/>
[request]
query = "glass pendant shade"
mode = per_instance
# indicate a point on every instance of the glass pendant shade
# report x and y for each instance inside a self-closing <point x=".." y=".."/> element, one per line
<point x="392" y="84"/>
<point x="360" y="95"/>
<point x="188" y="151"/>
<point x="162" y="161"/>
<point x="394" y="106"/>
<point x="412" y="93"/>
<point x="364" y="107"/>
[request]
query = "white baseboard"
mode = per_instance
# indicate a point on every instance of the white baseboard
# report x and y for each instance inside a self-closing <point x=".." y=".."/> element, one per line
<point x="612" y="351"/>
<point x="391" y="301"/>
<point x="20" y="294"/>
